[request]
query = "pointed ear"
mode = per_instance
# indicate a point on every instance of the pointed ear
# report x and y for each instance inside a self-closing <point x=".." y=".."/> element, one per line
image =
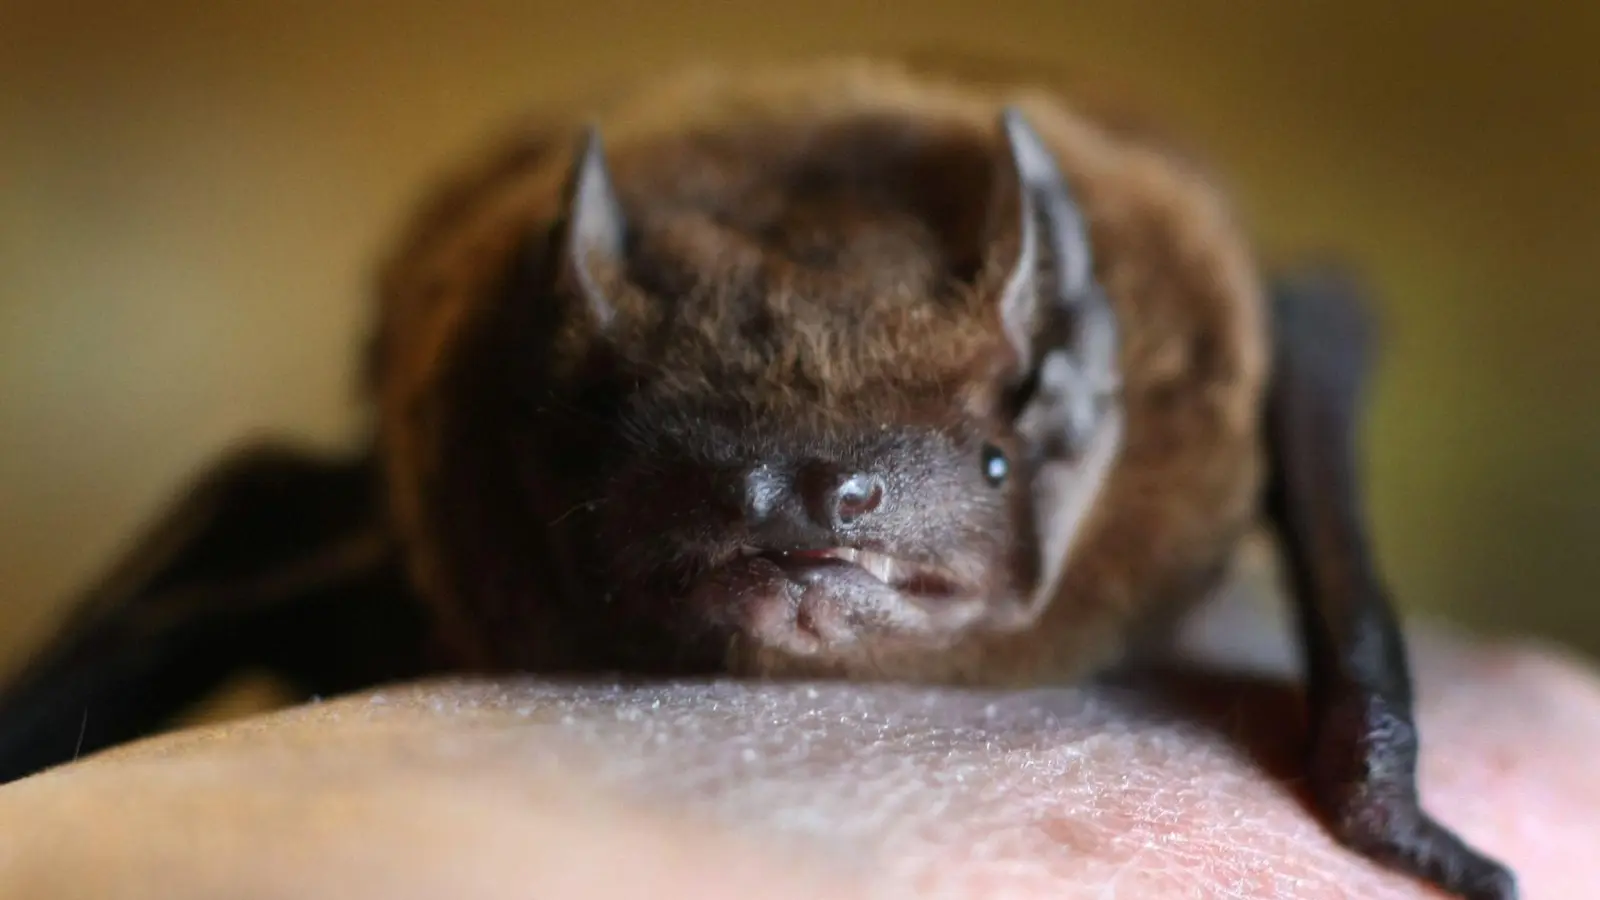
<point x="595" y="226"/>
<point x="1053" y="265"/>
<point x="1058" y="320"/>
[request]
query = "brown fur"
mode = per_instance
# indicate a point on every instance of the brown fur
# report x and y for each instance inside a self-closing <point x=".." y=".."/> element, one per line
<point x="1181" y="277"/>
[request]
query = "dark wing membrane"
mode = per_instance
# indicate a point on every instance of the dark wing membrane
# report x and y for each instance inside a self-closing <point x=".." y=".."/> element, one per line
<point x="273" y="558"/>
<point x="1363" y="733"/>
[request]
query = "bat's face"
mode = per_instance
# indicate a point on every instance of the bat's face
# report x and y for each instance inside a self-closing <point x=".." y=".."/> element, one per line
<point x="833" y="544"/>
<point x="824" y="437"/>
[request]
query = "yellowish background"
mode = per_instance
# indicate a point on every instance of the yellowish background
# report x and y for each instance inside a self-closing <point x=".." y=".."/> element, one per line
<point x="191" y="196"/>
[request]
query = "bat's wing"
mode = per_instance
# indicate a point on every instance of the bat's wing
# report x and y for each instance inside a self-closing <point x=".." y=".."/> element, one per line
<point x="274" y="558"/>
<point x="1364" y="738"/>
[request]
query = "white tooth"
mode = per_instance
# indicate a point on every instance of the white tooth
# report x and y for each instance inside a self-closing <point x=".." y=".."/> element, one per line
<point x="896" y="572"/>
<point x="880" y="566"/>
<point x="848" y="554"/>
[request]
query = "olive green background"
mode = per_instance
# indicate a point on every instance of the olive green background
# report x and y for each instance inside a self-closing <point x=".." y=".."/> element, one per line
<point x="192" y="195"/>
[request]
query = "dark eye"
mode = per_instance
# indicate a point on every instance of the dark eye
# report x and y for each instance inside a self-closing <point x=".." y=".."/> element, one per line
<point x="995" y="466"/>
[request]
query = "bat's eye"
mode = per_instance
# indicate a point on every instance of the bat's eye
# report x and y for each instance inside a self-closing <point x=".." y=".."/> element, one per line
<point x="995" y="465"/>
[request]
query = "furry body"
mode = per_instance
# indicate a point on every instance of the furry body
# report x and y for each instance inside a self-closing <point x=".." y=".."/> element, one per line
<point x="825" y="370"/>
<point x="725" y="174"/>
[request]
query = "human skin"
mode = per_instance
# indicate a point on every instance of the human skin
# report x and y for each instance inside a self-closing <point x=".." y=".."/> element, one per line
<point x="1165" y="786"/>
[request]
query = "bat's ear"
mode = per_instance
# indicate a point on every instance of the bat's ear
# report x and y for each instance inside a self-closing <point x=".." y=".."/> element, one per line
<point x="594" y="227"/>
<point x="1056" y="317"/>
<point x="1033" y="210"/>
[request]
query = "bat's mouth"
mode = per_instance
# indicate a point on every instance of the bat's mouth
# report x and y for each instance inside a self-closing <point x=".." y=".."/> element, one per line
<point x="907" y="577"/>
<point x="833" y="609"/>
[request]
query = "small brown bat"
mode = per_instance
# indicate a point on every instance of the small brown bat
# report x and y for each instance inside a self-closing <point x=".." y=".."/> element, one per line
<point x="825" y="370"/>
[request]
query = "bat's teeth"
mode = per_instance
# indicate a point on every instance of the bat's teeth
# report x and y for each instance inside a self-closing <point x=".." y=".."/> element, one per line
<point x="884" y="568"/>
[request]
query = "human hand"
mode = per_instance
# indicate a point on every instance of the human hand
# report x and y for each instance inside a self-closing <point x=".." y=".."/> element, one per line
<point x="1166" y="787"/>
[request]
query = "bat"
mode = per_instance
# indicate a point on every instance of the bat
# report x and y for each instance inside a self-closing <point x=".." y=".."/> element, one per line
<point x="832" y="370"/>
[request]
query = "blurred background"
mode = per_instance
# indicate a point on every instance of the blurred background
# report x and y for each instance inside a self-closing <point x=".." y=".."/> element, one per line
<point x="192" y="196"/>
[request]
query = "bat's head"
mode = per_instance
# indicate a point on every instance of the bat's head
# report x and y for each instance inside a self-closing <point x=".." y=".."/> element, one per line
<point x="822" y="403"/>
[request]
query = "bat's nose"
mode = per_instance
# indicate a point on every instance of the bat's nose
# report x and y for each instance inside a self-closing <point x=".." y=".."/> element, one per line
<point x="812" y="499"/>
<point x="838" y="500"/>
<point x="765" y="490"/>
<point x="855" y="497"/>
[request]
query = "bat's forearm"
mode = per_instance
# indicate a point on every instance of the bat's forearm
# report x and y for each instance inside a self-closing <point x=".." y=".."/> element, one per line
<point x="1364" y="741"/>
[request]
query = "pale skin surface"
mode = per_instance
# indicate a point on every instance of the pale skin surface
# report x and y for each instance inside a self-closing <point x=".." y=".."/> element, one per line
<point x="529" y="789"/>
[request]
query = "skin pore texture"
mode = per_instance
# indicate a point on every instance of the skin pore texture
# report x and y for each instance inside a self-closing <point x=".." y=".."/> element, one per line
<point x="1179" y="786"/>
